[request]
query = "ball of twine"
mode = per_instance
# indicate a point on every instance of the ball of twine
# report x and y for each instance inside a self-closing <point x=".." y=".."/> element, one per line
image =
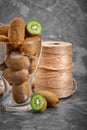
<point x="55" y="69"/>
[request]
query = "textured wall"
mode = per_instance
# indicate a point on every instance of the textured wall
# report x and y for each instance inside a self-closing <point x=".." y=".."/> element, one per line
<point x="64" y="20"/>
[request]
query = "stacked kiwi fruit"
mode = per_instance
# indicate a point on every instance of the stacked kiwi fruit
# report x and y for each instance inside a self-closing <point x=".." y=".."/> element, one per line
<point x="23" y="44"/>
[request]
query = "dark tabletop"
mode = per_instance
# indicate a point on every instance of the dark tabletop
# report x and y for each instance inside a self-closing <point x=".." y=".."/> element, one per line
<point x="70" y="114"/>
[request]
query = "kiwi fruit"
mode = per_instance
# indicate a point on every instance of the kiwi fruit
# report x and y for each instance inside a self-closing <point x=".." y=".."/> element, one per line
<point x="21" y="92"/>
<point x="2" y="87"/>
<point x="17" y="61"/>
<point x="3" y="66"/>
<point x="51" y="98"/>
<point x="16" y="77"/>
<point x="3" y="38"/>
<point x="38" y="103"/>
<point x="33" y="28"/>
<point x="33" y="63"/>
<point x="31" y="46"/>
<point x="4" y="30"/>
<point x="10" y="48"/>
<point x="33" y="85"/>
<point x="16" y="32"/>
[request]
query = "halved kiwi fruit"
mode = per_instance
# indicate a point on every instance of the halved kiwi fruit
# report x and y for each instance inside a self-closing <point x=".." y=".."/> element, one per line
<point x="33" y="28"/>
<point x="38" y="103"/>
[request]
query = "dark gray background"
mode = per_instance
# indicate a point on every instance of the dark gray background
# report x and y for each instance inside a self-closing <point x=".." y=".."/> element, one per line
<point x="64" y="20"/>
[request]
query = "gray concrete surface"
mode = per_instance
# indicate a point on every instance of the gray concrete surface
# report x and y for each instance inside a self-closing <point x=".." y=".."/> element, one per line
<point x="64" y="20"/>
<point x="70" y="114"/>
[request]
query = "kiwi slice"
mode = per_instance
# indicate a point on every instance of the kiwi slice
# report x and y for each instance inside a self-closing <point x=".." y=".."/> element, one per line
<point x="34" y="27"/>
<point x="38" y="102"/>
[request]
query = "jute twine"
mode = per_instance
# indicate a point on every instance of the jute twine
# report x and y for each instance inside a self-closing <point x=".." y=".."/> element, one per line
<point x="55" y="69"/>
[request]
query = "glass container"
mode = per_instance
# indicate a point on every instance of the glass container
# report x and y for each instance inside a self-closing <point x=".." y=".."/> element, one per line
<point x="18" y="65"/>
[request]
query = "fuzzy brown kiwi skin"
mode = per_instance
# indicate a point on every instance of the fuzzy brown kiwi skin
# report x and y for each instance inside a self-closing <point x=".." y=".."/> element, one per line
<point x="21" y="92"/>
<point x="33" y="85"/>
<point x="33" y="63"/>
<point x="3" y="66"/>
<point x="16" y="32"/>
<point x="4" y="30"/>
<point x="3" y="38"/>
<point x="17" y="63"/>
<point x="16" y="77"/>
<point x="2" y="87"/>
<point x="51" y="98"/>
<point x="10" y="48"/>
<point x="44" y="108"/>
<point x="31" y="49"/>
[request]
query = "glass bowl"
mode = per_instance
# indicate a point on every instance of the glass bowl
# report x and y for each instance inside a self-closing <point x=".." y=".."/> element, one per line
<point x="18" y="65"/>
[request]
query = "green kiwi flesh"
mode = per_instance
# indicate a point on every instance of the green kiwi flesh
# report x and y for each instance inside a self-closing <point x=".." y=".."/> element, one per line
<point x="37" y="102"/>
<point x="34" y="27"/>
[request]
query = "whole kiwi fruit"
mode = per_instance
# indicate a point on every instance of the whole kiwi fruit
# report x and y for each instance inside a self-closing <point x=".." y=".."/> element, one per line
<point x="51" y="98"/>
